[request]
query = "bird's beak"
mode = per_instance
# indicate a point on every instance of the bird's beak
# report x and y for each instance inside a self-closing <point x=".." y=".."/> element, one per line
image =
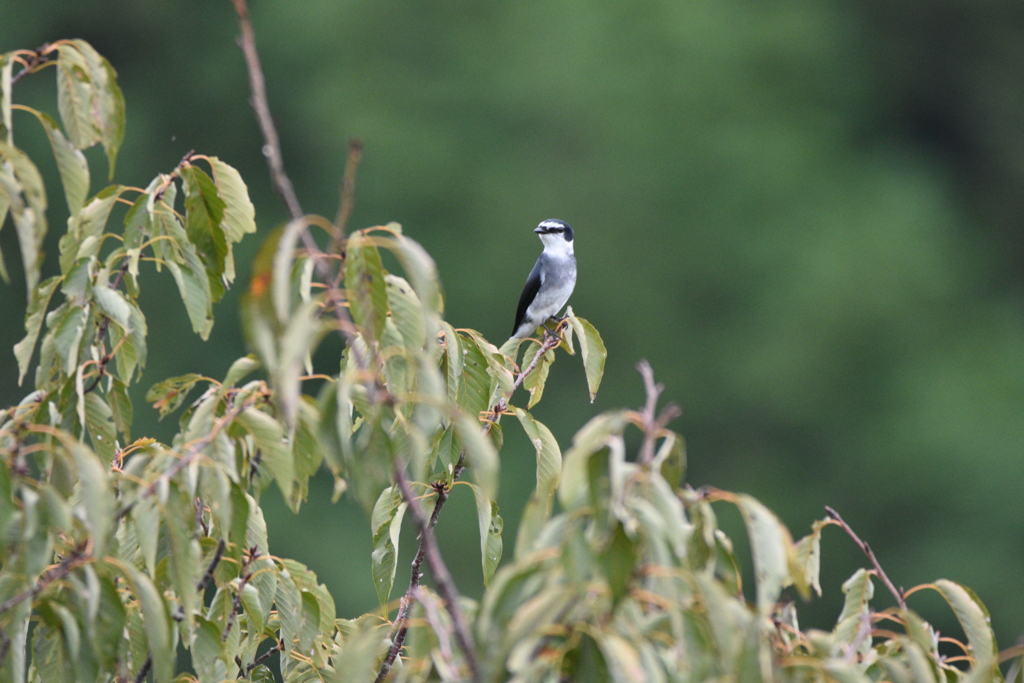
<point x="540" y="230"/>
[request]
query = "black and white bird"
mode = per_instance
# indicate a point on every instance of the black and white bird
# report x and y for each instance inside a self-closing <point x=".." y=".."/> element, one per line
<point x="550" y="282"/>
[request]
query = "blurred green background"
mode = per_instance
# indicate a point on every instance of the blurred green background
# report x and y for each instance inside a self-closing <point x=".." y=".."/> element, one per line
<point x="807" y="214"/>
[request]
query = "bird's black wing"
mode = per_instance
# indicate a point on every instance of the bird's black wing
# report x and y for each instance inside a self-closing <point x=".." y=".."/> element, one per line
<point x="529" y="294"/>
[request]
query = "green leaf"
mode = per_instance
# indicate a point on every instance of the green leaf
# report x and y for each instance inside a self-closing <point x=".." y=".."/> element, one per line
<point x="289" y="609"/>
<point x="593" y="351"/>
<point x="39" y="301"/>
<point x="535" y="381"/>
<point x="481" y="458"/>
<point x="22" y="186"/>
<point x="6" y="66"/>
<point x="207" y="650"/>
<point x="617" y="561"/>
<point x="407" y="312"/>
<point x="99" y="419"/>
<point x="858" y="589"/>
<point x="549" y="469"/>
<point x="194" y="287"/>
<point x="385" y="525"/>
<point x="110" y="110"/>
<point x="155" y="621"/>
<point x="497" y="363"/>
<point x="453" y="362"/>
<point x="114" y="305"/>
<point x="97" y="503"/>
<point x="491" y="526"/>
<point x="167" y="395"/>
<point x="204" y="211"/>
<point x="421" y="271"/>
<point x="975" y="621"/>
<point x="108" y="625"/>
<point x="76" y="98"/>
<point x="86" y="227"/>
<point x="771" y="547"/>
<point x="268" y="435"/>
<point x="365" y="285"/>
<point x="238" y="371"/>
<point x="475" y="386"/>
<point x="71" y="163"/>
<point x="121" y="407"/>
<point x="807" y="561"/>
<point x="574" y="489"/>
<point x="184" y="556"/>
<point x="239" y="217"/>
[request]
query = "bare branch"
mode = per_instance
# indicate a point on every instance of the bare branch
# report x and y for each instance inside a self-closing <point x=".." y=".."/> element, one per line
<point x="871" y="556"/>
<point x="652" y="424"/>
<point x="272" y="150"/>
<point x="442" y="577"/>
<point x="144" y="671"/>
<point x="348" y="190"/>
<point x="208" y="574"/>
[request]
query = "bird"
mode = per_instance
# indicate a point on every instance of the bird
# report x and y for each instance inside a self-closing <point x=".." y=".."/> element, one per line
<point x="551" y="281"/>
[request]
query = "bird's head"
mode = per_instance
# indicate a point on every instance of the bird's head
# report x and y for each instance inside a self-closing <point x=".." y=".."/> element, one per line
<point x="556" y="235"/>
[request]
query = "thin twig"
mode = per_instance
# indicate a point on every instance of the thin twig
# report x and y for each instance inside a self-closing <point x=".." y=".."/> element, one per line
<point x="652" y="424"/>
<point x="272" y="150"/>
<point x="871" y="556"/>
<point x="144" y="671"/>
<point x="38" y="59"/>
<point x="104" y="326"/>
<point x="244" y="577"/>
<point x="442" y="577"/>
<point x="276" y="647"/>
<point x="75" y="559"/>
<point x="208" y="574"/>
<point x="348" y="191"/>
<point x="192" y="453"/>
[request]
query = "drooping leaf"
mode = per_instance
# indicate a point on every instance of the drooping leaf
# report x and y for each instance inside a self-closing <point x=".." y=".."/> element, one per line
<point x="239" y="217"/>
<point x="71" y="163"/>
<point x="481" y="458"/>
<point x="204" y="211"/>
<point x="22" y="186"/>
<point x="491" y="526"/>
<point x="385" y="525"/>
<point x="365" y="286"/>
<point x="475" y="386"/>
<point x="593" y="351"/>
<point x="76" y="98"/>
<point x="407" y="312"/>
<point x="549" y="468"/>
<point x="110" y="109"/>
<point x="156" y="624"/>
<point x="975" y="621"/>
<point x="807" y="557"/>
<point x="99" y="419"/>
<point x="39" y="301"/>
<point x="771" y="547"/>
<point x="535" y="381"/>
<point x="114" y="305"/>
<point x="268" y="435"/>
<point x="6" y="67"/>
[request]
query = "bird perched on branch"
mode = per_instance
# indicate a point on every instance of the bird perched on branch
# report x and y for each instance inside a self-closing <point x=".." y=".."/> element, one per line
<point x="550" y="282"/>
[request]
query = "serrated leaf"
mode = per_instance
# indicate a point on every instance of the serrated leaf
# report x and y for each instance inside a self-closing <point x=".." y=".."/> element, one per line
<point x="289" y="609"/>
<point x="97" y="501"/>
<point x="535" y="381"/>
<point x="771" y="547"/>
<point x="204" y="211"/>
<point x="475" y="387"/>
<point x="71" y="163"/>
<point x="114" y="305"/>
<point x="407" y="312"/>
<point x="110" y="109"/>
<point x="549" y="469"/>
<point x="156" y="623"/>
<point x="592" y="350"/>
<point x="207" y="649"/>
<point x="194" y="287"/>
<point x="481" y="458"/>
<point x="167" y="395"/>
<point x="453" y="361"/>
<point x="239" y="217"/>
<point x="121" y="407"/>
<point x="184" y="556"/>
<point x="807" y="561"/>
<point x="858" y="589"/>
<point x="76" y="99"/>
<point x="365" y="287"/>
<point x="385" y="524"/>
<point x="39" y="301"/>
<point x="269" y="437"/>
<point x="974" y="619"/>
<point x="99" y="419"/>
<point x="491" y="526"/>
<point x="22" y="185"/>
<point x="497" y="363"/>
<point x="574" y="489"/>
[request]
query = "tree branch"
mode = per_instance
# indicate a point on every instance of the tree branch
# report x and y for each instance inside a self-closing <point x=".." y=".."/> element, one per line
<point x="651" y="423"/>
<point x="272" y="150"/>
<point x="79" y="556"/>
<point x="442" y="577"/>
<point x="871" y="556"/>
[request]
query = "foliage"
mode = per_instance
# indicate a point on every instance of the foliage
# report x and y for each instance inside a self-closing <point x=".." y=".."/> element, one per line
<point x="117" y="553"/>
